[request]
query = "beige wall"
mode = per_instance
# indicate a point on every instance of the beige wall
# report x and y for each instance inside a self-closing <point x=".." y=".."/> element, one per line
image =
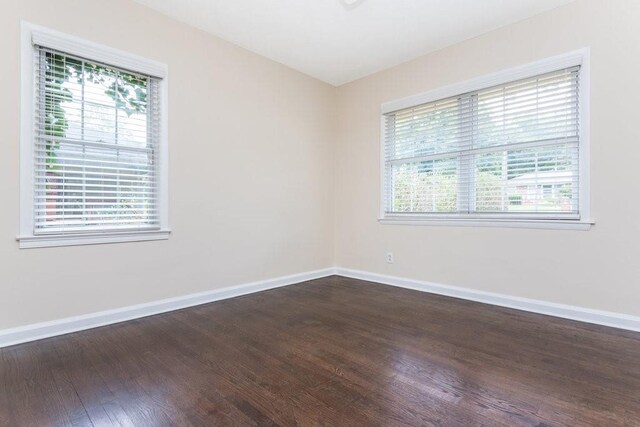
<point x="596" y="269"/>
<point x="265" y="180"/>
<point x="250" y="171"/>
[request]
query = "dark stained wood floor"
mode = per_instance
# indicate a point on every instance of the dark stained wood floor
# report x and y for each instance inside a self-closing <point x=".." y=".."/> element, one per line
<point x="333" y="351"/>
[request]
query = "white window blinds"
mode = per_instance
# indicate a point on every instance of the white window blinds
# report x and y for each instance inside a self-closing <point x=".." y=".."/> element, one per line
<point x="508" y="150"/>
<point x="97" y="131"/>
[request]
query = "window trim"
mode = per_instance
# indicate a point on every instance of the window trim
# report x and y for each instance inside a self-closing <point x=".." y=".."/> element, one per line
<point x="579" y="57"/>
<point x="32" y="34"/>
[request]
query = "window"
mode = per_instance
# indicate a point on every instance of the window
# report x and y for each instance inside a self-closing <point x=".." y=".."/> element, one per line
<point x="510" y="147"/>
<point x="94" y="158"/>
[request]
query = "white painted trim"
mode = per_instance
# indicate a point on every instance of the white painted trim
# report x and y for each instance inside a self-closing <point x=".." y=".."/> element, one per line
<point x="585" y="132"/>
<point x="26" y="131"/>
<point x="49" y="329"/>
<point x="48" y="241"/>
<point x="554" y="63"/>
<point x="78" y="323"/>
<point x="31" y="34"/>
<point x="163" y="153"/>
<point x="598" y="317"/>
<point x="549" y="224"/>
<point x="97" y="52"/>
<point x="580" y="57"/>
<point x="383" y="170"/>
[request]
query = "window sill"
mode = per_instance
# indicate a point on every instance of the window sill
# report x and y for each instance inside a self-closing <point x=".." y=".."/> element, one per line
<point x="46" y="241"/>
<point x="551" y="224"/>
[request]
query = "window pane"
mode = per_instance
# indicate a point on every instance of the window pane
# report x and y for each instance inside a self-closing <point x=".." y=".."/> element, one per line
<point x="527" y="181"/>
<point x="427" y="130"/>
<point x="95" y="157"/>
<point x="507" y="149"/>
<point x="537" y="109"/>
<point x="429" y="186"/>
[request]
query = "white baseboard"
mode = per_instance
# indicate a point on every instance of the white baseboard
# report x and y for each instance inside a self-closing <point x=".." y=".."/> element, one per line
<point x="78" y="323"/>
<point x="605" y="318"/>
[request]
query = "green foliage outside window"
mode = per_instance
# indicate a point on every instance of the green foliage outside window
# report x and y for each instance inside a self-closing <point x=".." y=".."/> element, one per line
<point x="128" y="91"/>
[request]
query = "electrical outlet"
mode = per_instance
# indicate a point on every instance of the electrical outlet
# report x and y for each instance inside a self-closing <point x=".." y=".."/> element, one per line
<point x="389" y="257"/>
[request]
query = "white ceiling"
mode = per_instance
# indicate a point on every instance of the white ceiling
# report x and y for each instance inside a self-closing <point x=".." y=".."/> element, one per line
<point x="337" y="42"/>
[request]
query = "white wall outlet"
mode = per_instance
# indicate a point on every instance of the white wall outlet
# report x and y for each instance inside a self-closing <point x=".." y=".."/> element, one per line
<point x="389" y="257"/>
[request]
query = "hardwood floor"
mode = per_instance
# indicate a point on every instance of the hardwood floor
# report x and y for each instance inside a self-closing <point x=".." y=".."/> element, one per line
<point x="332" y="351"/>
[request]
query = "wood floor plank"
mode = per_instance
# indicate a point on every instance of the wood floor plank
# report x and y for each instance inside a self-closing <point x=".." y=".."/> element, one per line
<point x="333" y="351"/>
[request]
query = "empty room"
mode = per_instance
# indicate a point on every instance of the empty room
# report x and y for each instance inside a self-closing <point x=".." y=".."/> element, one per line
<point x="320" y="213"/>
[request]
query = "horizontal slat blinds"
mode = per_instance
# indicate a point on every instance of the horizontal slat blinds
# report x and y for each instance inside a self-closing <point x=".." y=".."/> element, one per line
<point x="96" y="144"/>
<point x="507" y="150"/>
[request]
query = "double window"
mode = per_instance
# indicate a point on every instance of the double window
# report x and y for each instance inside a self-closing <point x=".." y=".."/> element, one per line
<point x="93" y="158"/>
<point x="506" y="150"/>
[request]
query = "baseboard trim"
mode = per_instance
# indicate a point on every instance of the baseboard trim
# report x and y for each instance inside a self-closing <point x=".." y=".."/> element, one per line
<point x="53" y="328"/>
<point x="605" y="318"/>
<point x="9" y="337"/>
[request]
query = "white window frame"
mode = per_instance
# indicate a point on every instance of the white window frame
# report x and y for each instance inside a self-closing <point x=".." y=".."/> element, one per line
<point x="33" y="34"/>
<point x="579" y="57"/>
